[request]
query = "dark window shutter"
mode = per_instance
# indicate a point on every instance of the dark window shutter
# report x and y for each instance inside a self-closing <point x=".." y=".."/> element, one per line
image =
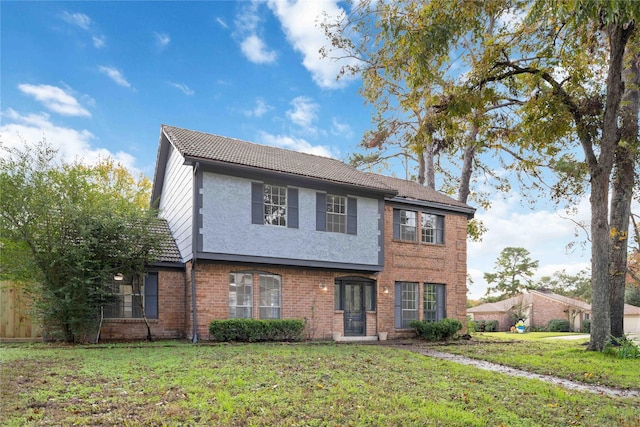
<point x="441" y="302"/>
<point x="321" y="211"/>
<point x="257" y="203"/>
<point x="292" y="207"/>
<point x="352" y="215"/>
<point x="439" y="229"/>
<point x="398" y="305"/>
<point x="151" y="295"/>
<point x="396" y="224"/>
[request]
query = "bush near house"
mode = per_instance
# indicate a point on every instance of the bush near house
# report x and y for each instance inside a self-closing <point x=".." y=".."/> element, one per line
<point x="586" y="326"/>
<point x="253" y="330"/>
<point x="485" y="325"/>
<point x="437" y="331"/>
<point x="558" y="325"/>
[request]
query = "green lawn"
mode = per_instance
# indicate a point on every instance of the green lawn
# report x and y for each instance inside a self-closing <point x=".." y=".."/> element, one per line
<point x="563" y="358"/>
<point x="314" y="384"/>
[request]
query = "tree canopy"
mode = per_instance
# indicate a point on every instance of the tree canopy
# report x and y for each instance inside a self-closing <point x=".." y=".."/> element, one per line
<point x="513" y="273"/>
<point x="66" y="229"/>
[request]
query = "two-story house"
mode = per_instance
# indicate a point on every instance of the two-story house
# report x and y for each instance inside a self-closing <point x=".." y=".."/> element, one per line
<point x="269" y="233"/>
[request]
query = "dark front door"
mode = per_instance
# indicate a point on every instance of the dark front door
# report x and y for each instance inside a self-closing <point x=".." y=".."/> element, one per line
<point x="354" y="309"/>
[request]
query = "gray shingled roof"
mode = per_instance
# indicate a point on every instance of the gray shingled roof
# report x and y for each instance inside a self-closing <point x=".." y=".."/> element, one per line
<point x="413" y="190"/>
<point x="206" y="146"/>
<point x="169" y="248"/>
<point x="525" y="298"/>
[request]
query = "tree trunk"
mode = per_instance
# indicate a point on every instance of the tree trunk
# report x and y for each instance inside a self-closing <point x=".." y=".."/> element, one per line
<point x="600" y="172"/>
<point x="622" y="193"/>
<point x="467" y="165"/>
<point x="429" y="166"/>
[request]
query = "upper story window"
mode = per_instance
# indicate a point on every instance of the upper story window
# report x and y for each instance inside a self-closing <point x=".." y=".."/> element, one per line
<point x="336" y="213"/>
<point x="405" y="226"/>
<point x="274" y="205"/>
<point x="432" y="228"/>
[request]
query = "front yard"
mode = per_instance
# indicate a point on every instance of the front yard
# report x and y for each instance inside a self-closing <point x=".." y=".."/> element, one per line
<point x="174" y="383"/>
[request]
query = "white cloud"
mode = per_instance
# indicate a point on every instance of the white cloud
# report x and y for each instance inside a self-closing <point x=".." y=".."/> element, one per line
<point x="256" y="50"/>
<point x="55" y="99"/>
<point x="260" y="109"/>
<point x="98" y="41"/>
<point x="545" y="233"/>
<point x="251" y="44"/>
<point x="114" y="75"/>
<point x="85" y="23"/>
<point x="341" y="129"/>
<point x="304" y="112"/>
<point x="78" y="19"/>
<point x="300" y="22"/>
<point x="295" y="144"/>
<point x="72" y="144"/>
<point x="162" y="40"/>
<point x="183" y="87"/>
<point x="222" y="22"/>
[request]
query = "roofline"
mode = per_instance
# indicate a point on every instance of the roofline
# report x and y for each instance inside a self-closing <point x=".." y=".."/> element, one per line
<point x="468" y="211"/>
<point x="259" y="173"/>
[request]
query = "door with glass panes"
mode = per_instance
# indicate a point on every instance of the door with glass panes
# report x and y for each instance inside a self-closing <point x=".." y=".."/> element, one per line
<point x="354" y="296"/>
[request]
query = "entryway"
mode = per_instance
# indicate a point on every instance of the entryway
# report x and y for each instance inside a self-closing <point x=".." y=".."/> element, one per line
<point x="354" y="296"/>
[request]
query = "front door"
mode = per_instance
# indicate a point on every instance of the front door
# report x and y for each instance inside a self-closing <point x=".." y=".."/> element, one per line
<point x="354" y="309"/>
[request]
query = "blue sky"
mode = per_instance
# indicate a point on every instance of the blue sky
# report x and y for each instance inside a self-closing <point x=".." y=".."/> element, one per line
<point x="98" y="79"/>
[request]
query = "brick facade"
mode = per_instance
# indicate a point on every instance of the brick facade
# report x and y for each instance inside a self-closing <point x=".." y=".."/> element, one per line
<point x="171" y="313"/>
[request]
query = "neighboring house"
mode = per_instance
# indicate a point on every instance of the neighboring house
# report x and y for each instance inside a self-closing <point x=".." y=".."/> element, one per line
<point x="538" y="308"/>
<point x="268" y="233"/>
<point x="631" y="319"/>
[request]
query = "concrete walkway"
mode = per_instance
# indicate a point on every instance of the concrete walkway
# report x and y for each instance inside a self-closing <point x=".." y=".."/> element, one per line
<point x="494" y="367"/>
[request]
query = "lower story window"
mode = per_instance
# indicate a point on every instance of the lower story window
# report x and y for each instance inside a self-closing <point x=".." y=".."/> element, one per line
<point x="434" y="302"/>
<point x="132" y="297"/>
<point x="270" y="292"/>
<point x="406" y="303"/>
<point x="240" y="295"/>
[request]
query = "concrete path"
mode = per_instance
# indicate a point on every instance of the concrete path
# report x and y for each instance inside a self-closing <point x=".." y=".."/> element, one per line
<point x="494" y="367"/>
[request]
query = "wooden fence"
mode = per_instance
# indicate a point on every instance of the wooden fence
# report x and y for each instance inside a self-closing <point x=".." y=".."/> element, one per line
<point x="15" y="324"/>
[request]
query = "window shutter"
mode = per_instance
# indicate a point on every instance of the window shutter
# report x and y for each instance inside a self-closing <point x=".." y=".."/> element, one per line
<point x="396" y="224"/>
<point x="439" y="229"/>
<point x="441" y="302"/>
<point x="292" y="207"/>
<point x="398" y="305"/>
<point x="257" y="203"/>
<point x="151" y="295"/>
<point x="352" y="215"/>
<point x="321" y="211"/>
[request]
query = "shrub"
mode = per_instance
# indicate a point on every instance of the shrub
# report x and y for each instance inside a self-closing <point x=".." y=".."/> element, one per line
<point x="478" y="325"/>
<point x="622" y="348"/>
<point x="558" y="325"/>
<point x="491" y="326"/>
<point x="586" y="326"/>
<point x="252" y="330"/>
<point x="436" y="331"/>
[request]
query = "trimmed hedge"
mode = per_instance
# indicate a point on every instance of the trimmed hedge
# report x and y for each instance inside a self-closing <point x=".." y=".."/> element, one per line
<point x="485" y="325"/>
<point x="558" y="325"/>
<point x="253" y="330"/>
<point x="586" y="326"/>
<point x="436" y="331"/>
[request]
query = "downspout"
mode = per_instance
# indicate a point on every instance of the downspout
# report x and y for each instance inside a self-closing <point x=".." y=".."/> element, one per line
<point x="194" y="240"/>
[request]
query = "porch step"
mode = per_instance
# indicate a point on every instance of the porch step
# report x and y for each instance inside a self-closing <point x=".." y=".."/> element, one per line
<point x="355" y="339"/>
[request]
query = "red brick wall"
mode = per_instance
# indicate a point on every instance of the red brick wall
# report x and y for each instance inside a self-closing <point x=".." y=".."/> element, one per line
<point x="505" y="321"/>
<point x="425" y="263"/>
<point x="545" y="309"/>
<point x="171" y="313"/>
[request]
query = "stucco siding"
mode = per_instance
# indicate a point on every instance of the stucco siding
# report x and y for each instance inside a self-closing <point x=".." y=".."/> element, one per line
<point x="227" y="227"/>
<point x="176" y="202"/>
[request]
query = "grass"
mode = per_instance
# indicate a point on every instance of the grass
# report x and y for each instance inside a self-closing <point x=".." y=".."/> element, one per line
<point x="567" y="359"/>
<point x="272" y="384"/>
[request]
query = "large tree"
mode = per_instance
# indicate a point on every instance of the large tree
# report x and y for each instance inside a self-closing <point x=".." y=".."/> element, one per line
<point x="560" y="63"/>
<point x="66" y="229"/>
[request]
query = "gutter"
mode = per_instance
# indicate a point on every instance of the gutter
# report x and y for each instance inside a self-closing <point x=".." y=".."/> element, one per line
<point x="194" y="241"/>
